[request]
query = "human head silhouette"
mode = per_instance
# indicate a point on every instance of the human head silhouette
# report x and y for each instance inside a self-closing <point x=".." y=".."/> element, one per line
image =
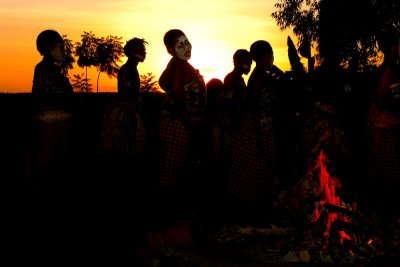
<point x="47" y="40"/>
<point x="135" y="47"/>
<point x="262" y="53"/>
<point x="215" y="88"/>
<point x="242" y="59"/>
<point x="259" y="48"/>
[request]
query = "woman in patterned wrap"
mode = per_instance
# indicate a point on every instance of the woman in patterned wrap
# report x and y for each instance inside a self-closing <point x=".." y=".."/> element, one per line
<point x="182" y="145"/>
<point x="182" y="129"/>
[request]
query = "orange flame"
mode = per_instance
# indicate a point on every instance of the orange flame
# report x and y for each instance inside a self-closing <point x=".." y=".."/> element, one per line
<point x="328" y="186"/>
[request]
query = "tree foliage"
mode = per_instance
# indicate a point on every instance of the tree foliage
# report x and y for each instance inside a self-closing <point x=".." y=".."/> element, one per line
<point x="80" y="84"/>
<point x="108" y="53"/>
<point x="86" y="51"/>
<point x="104" y="53"/>
<point x="148" y="84"/>
<point x="341" y="31"/>
<point x="69" y="57"/>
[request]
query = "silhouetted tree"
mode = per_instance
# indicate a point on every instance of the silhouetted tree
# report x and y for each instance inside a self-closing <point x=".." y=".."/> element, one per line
<point x="148" y="84"/>
<point x="69" y="57"/>
<point x="343" y="31"/>
<point x="81" y="84"/>
<point x="104" y="53"/>
<point x="86" y="51"/>
<point x="108" y="53"/>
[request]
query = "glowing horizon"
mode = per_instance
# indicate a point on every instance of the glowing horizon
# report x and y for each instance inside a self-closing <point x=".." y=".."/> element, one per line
<point x="216" y="31"/>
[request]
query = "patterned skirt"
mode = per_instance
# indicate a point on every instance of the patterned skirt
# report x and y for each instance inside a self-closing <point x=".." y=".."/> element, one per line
<point x="384" y="155"/>
<point x="383" y="171"/>
<point x="174" y="142"/>
<point x="252" y="160"/>
<point x="383" y="136"/>
<point x="122" y="130"/>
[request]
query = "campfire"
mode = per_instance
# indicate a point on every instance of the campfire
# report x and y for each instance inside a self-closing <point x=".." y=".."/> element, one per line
<point x="328" y="192"/>
<point x="331" y="230"/>
<point x="315" y="223"/>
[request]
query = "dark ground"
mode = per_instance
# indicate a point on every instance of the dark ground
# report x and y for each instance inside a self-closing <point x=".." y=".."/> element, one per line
<point x="81" y="217"/>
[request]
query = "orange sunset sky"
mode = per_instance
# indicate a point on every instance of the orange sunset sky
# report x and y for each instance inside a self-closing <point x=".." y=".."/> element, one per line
<point x="216" y="29"/>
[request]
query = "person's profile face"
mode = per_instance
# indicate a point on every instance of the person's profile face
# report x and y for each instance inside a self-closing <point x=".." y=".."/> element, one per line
<point x="246" y="66"/>
<point x="183" y="48"/>
<point x="269" y="60"/>
<point x="58" y="52"/>
<point x="140" y="53"/>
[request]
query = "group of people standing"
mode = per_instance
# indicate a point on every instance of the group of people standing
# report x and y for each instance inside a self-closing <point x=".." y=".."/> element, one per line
<point x="185" y="135"/>
<point x="230" y="123"/>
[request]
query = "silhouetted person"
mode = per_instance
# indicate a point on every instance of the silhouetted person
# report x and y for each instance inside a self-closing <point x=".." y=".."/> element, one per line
<point x="384" y="130"/>
<point x="235" y="88"/>
<point x="214" y="110"/>
<point x="123" y="140"/>
<point x="128" y="74"/>
<point x="183" y="122"/>
<point x="51" y="157"/>
<point x="182" y="137"/>
<point x="122" y="130"/>
<point x="215" y="92"/>
<point x="122" y="136"/>
<point x="251" y="178"/>
<point x="52" y="93"/>
<point x="235" y="94"/>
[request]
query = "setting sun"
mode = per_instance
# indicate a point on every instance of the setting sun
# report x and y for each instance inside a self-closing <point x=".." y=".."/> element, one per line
<point x="216" y="30"/>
